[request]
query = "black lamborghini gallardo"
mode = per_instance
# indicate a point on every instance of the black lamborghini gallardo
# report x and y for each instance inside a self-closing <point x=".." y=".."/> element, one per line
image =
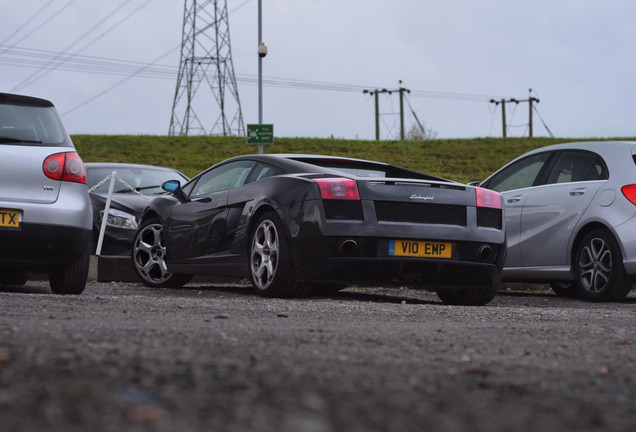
<point x="295" y="223"/>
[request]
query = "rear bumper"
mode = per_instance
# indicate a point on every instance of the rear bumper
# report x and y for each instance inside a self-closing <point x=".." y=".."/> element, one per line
<point x="369" y="262"/>
<point x="38" y="247"/>
<point x="625" y="232"/>
<point x="429" y="274"/>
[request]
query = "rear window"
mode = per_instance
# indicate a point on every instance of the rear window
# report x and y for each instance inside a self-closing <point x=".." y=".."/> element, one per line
<point x="368" y="169"/>
<point x="31" y="125"/>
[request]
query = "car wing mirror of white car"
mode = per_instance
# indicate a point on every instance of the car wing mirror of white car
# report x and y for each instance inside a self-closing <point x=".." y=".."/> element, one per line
<point x="174" y="187"/>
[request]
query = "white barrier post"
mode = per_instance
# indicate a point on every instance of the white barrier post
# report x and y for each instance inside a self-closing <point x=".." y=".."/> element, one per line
<point x="102" y="229"/>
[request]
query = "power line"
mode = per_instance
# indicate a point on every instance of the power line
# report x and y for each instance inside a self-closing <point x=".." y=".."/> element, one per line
<point x="542" y="121"/>
<point x="49" y="66"/>
<point x="27" y="22"/>
<point x="118" y="83"/>
<point x="82" y="63"/>
<point x="46" y="21"/>
<point x="239" y="7"/>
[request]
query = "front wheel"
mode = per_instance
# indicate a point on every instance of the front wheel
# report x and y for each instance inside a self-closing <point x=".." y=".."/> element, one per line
<point x="468" y="297"/>
<point x="149" y="257"/>
<point x="270" y="261"/>
<point x="598" y="266"/>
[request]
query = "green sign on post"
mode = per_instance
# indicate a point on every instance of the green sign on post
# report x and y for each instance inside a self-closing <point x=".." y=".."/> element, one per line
<point x="260" y="134"/>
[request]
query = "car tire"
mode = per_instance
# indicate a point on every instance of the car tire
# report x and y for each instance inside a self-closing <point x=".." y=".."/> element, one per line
<point x="564" y="289"/>
<point x="468" y="297"/>
<point x="271" y="267"/>
<point x="148" y="256"/>
<point x="14" y="277"/>
<point x="598" y="267"/>
<point x="71" y="278"/>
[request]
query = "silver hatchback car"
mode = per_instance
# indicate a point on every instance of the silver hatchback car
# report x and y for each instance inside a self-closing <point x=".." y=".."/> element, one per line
<point x="571" y="218"/>
<point x="45" y="212"/>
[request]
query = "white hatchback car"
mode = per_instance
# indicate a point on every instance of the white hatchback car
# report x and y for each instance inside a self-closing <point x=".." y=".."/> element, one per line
<point x="45" y="212"/>
<point x="571" y="218"/>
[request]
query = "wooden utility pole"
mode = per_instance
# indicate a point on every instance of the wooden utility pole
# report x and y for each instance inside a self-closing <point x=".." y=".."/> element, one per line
<point x="530" y="100"/>
<point x="375" y="93"/>
<point x="402" y="90"/>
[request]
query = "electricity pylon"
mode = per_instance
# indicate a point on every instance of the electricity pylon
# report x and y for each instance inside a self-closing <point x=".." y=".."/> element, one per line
<point x="206" y="73"/>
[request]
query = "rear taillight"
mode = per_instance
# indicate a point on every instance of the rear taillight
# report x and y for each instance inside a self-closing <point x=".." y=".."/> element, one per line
<point x="338" y="189"/>
<point x="630" y="193"/>
<point x="65" y="167"/>
<point x="487" y="198"/>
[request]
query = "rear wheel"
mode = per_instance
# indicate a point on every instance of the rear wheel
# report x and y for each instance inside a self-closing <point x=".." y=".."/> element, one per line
<point x="70" y="279"/>
<point x="468" y="297"/>
<point x="270" y="264"/>
<point x="598" y="266"/>
<point x="149" y="257"/>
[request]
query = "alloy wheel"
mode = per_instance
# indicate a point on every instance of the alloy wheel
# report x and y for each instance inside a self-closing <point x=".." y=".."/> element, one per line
<point x="149" y="254"/>
<point x="264" y="254"/>
<point x="595" y="265"/>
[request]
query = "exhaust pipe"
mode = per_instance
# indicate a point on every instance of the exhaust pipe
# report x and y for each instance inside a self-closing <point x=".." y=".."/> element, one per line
<point x="348" y="247"/>
<point x="484" y="253"/>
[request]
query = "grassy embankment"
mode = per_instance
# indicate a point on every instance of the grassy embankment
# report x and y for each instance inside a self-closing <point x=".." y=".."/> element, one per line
<point x="463" y="160"/>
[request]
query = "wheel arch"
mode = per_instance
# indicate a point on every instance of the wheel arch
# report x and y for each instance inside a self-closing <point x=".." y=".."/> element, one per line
<point x="256" y="215"/>
<point x="149" y="214"/>
<point x="585" y="230"/>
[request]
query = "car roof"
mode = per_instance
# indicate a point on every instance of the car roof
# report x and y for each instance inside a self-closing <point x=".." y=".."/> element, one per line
<point x="595" y="146"/>
<point x="124" y="165"/>
<point x="611" y="151"/>
<point x="16" y="99"/>
<point x="293" y="158"/>
<point x="304" y="163"/>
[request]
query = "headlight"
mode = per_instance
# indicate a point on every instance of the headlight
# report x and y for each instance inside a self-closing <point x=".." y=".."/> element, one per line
<point x="120" y="219"/>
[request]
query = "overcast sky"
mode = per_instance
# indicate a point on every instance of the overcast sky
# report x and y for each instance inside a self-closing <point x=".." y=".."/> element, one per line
<point x="454" y="55"/>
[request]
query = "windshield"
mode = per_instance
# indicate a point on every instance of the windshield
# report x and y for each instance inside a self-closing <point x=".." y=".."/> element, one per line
<point x="30" y="125"/>
<point x="148" y="180"/>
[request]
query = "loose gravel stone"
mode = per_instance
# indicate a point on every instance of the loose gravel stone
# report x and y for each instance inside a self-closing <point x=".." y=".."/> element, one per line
<point x="122" y="356"/>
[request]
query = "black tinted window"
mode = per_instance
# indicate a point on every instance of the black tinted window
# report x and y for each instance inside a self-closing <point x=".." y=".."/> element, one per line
<point x="575" y="166"/>
<point x="598" y="170"/>
<point x="30" y="125"/>
<point x="367" y="168"/>
<point x="262" y="171"/>
<point x="521" y="174"/>
<point x="224" y="177"/>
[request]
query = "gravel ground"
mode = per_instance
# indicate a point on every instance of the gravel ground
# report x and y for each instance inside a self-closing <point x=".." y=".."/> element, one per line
<point x="123" y="357"/>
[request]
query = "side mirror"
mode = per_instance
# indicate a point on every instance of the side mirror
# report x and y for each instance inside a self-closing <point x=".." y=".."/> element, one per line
<point x="174" y="187"/>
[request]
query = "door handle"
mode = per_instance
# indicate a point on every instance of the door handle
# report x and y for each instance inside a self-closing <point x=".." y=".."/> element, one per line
<point x="514" y="199"/>
<point x="577" y="192"/>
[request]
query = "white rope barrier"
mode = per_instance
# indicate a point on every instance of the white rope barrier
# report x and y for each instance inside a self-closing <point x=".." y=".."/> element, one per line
<point x="113" y="177"/>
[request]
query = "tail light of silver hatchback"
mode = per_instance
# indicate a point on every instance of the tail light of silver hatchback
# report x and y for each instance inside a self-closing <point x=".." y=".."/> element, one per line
<point x="66" y="166"/>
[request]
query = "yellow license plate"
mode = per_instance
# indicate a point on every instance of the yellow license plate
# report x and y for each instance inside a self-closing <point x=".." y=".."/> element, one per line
<point x="9" y="218"/>
<point x="413" y="248"/>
